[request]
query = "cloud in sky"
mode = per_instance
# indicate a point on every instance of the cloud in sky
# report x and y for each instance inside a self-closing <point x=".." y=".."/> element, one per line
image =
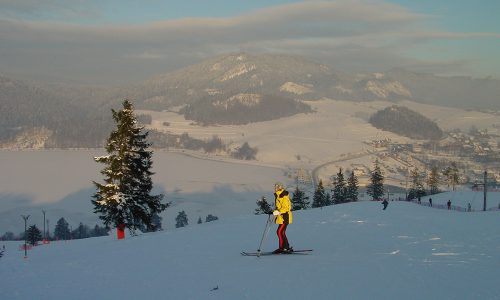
<point x="352" y="36"/>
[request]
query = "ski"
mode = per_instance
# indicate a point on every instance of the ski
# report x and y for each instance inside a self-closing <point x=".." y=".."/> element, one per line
<point x="300" y="252"/>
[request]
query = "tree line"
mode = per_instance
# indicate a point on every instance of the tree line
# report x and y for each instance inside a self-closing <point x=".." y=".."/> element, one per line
<point x="182" y="220"/>
<point x="347" y="190"/>
<point x="62" y="231"/>
<point x="344" y="190"/>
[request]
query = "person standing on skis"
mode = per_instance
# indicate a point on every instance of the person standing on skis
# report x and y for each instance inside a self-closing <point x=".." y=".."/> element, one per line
<point x="283" y="214"/>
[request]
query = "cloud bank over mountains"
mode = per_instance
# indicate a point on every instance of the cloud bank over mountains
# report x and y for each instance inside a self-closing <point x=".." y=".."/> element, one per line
<point x="38" y="39"/>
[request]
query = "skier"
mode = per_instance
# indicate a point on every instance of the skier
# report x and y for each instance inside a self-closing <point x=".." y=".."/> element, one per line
<point x="430" y="202"/>
<point x="449" y="204"/>
<point x="283" y="216"/>
<point x="385" y="203"/>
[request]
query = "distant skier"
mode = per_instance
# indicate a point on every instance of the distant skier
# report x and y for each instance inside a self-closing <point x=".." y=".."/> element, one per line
<point x="385" y="203"/>
<point x="430" y="202"/>
<point x="469" y="207"/>
<point x="283" y="214"/>
<point x="449" y="204"/>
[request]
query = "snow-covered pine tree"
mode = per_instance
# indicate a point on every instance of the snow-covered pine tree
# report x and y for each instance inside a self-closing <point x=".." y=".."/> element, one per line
<point x="263" y="207"/>
<point x="376" y="186"/>
<point x="125" y="196"/>
<point x="199" y="220"/>
<point x="319" y="199"/>
<point x="299" y="199"/>
<point x="34" y="235"/>
<point x="181" y="220"/>
<point x="339" y="188"/>
<point x="61" y="231"/>
<point x="352" y="188"/>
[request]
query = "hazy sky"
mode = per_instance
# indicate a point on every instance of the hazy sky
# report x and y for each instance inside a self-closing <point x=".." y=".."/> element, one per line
<point x="119" y="41"/>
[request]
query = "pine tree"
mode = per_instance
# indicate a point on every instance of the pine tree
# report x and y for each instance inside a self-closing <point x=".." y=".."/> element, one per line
<point x="98" y="231"/>
<point x="319" y="199"/>
<point x="328" y="199"/>
<point x="61" y="231"/>
<point x="417" y="189"/>
<point x="376" y="186"/>
<point x="340" y="189"/>
<point x="155" y="224"/>
<point x="352" y="188"/>
<point x="81" y="232"/>
<point x="263" y="207"/>
<point x="124" y="198"/>
<point x="8" y="236"/>
<point x="181" y="220"/>
<point x="433" y="181"/>
<point x="299" y="199"/>
<point x="34" y="235"/>
<point x="199" y="220"/>
<point x="211" y="218"/>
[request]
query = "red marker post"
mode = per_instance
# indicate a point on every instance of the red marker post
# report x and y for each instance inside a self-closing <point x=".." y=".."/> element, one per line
<point x="120" y="231"/>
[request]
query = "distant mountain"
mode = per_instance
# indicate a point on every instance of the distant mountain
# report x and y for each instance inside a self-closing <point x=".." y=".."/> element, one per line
<point x="406" y="122"/>
<point x="294" y="77"/>
<point x="458" y="91"/>
<point x="230" y="89"/>
<point x="279" y="82"/>
<point x="226" y="76"/>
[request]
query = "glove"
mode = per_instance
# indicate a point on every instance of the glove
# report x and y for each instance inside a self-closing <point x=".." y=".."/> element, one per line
<point x="276" y="213"/>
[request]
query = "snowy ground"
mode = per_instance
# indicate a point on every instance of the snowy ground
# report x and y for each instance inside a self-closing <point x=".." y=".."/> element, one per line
<point x="360" y="252"/>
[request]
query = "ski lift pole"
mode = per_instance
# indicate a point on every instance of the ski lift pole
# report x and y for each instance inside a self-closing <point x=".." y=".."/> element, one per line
<point x="485" y="189"/>
<point x="264" y="235"/>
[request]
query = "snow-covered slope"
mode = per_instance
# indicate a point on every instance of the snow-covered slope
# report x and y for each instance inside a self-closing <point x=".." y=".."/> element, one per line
<point x="360" y="252"/>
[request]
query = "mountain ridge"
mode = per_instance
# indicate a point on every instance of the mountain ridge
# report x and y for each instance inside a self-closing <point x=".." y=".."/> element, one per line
<point x="214" y="83"/>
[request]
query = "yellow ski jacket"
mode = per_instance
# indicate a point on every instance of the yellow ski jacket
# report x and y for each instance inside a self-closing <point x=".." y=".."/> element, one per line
<point x="284" y="206"/>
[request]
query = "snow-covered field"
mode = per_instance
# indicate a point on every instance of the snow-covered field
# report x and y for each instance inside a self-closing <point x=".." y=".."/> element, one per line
<point x="360" y="252"/>
<point x="335" y="128"/>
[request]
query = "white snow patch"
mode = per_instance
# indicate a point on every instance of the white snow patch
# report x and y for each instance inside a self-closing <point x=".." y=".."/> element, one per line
<point x="238" y="71"/>
<point x="384" y="89"/>
<point x="296" y="88"/>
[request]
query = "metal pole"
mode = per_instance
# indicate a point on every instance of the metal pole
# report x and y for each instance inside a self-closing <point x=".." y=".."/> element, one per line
<point x="44" y="236"/>
<point x="25" y="235"/>
<point x="264" y="234"/>
<point x="48" y="234"/>
<point x="484" y="186"/>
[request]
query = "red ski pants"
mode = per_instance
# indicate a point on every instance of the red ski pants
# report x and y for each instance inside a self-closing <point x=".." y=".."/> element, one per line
<point x="281" y="232"/>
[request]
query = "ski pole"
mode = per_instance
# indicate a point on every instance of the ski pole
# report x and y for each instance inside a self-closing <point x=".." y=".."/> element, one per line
<point x="264" y="235"/>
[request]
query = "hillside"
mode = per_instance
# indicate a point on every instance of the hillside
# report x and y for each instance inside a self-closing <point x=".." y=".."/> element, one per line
<point x="406" y="122"/>
<point x="360" y="252"/>
<point x="32" y="116"/>
<point x="230" y="89"/>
